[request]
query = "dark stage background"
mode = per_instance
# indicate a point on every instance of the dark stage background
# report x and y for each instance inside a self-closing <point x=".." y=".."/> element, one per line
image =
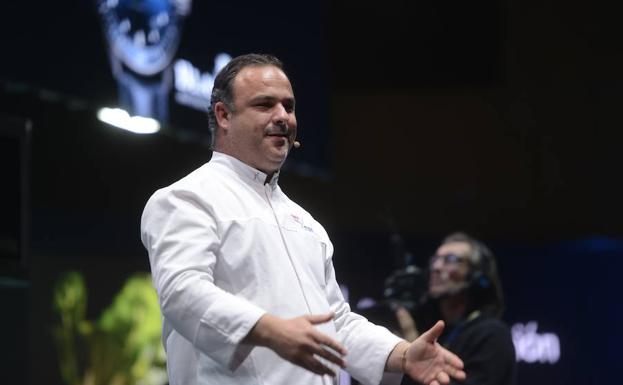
<point x="500" y="118"/>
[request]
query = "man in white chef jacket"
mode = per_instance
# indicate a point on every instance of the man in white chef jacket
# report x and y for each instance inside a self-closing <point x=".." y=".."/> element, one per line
<point x="245" y="276"/>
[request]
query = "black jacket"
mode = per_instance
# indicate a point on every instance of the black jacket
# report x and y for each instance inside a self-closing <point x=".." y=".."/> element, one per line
<point x="486" y="348"/>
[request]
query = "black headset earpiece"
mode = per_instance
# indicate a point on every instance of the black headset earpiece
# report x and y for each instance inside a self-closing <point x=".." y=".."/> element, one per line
<point x="480" y="274"/>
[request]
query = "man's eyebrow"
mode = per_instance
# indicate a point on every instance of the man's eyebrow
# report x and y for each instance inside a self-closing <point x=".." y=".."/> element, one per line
<point x="263" y="98"/>
<point x="269" y="98"/>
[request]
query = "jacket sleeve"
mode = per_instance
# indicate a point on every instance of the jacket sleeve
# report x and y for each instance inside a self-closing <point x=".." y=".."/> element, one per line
<point x="368" y="345"/>
<point x="181" y="237"/>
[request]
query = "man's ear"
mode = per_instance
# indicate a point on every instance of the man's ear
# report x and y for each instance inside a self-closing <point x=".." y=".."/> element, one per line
<point x="222" y="114"/>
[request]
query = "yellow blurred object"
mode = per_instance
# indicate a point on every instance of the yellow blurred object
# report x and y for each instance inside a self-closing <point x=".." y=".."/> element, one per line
<point x="122" y="347"/>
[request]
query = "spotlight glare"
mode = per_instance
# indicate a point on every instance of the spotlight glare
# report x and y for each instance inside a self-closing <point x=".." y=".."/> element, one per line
<point x="121" y="119"/>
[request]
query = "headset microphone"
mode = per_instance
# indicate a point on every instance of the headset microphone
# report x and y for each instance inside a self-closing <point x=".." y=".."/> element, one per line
<point x="296" y="144"/>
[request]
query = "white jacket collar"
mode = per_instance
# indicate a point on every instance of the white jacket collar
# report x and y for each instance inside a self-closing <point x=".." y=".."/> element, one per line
<point x="244" y="170"/>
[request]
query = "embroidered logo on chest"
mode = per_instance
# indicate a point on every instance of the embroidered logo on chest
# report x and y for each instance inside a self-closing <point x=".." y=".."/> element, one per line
<point x="299" y="220"/>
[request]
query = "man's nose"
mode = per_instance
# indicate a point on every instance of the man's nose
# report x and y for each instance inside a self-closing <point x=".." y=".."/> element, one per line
<point x="281" y="115"/>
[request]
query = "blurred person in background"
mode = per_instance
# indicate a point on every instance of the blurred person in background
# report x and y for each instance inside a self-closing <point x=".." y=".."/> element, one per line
<point x="464" y="290"/>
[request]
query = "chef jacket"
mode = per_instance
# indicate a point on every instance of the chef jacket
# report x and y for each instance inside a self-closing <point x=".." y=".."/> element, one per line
<point x="227" y="246"/>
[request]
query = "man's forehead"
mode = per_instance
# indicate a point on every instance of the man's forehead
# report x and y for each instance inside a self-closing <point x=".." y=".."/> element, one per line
<point x="258" y="76"/>
<point x="458" y="248"/>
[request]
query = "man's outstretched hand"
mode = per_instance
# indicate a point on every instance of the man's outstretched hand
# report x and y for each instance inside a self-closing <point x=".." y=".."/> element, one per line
<point x="428" y="362"/>
<point x="298" y="341"/>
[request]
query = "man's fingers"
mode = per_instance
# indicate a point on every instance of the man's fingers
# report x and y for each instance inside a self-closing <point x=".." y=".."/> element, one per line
<point x="453" y="365"/>
<point x="330" y="343"/>
<point x="443" y="377"/>
<point x="433" y="333"/>
<point x="452" y="359"/>
<point x="455" y="373"/>
<point x="322" y="339"/>
<point x="330" y="356"/>
<point x="317" y="367"/>
<point x="320" y="318"/>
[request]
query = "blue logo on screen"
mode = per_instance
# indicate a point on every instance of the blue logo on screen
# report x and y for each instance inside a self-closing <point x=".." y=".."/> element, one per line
<point x="144" y="34"/>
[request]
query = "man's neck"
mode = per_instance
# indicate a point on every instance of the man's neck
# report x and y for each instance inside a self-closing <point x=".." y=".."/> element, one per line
<point x="224" y="150"/>
<point x="269" y="177"/>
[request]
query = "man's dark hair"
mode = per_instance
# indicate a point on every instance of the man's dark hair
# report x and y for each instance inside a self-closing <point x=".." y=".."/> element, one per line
<point x="223" y="83"/>
<point x="483" y="278"/>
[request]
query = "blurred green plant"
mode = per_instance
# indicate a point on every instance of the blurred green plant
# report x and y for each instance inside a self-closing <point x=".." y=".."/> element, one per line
<point x="122" y="347"/>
